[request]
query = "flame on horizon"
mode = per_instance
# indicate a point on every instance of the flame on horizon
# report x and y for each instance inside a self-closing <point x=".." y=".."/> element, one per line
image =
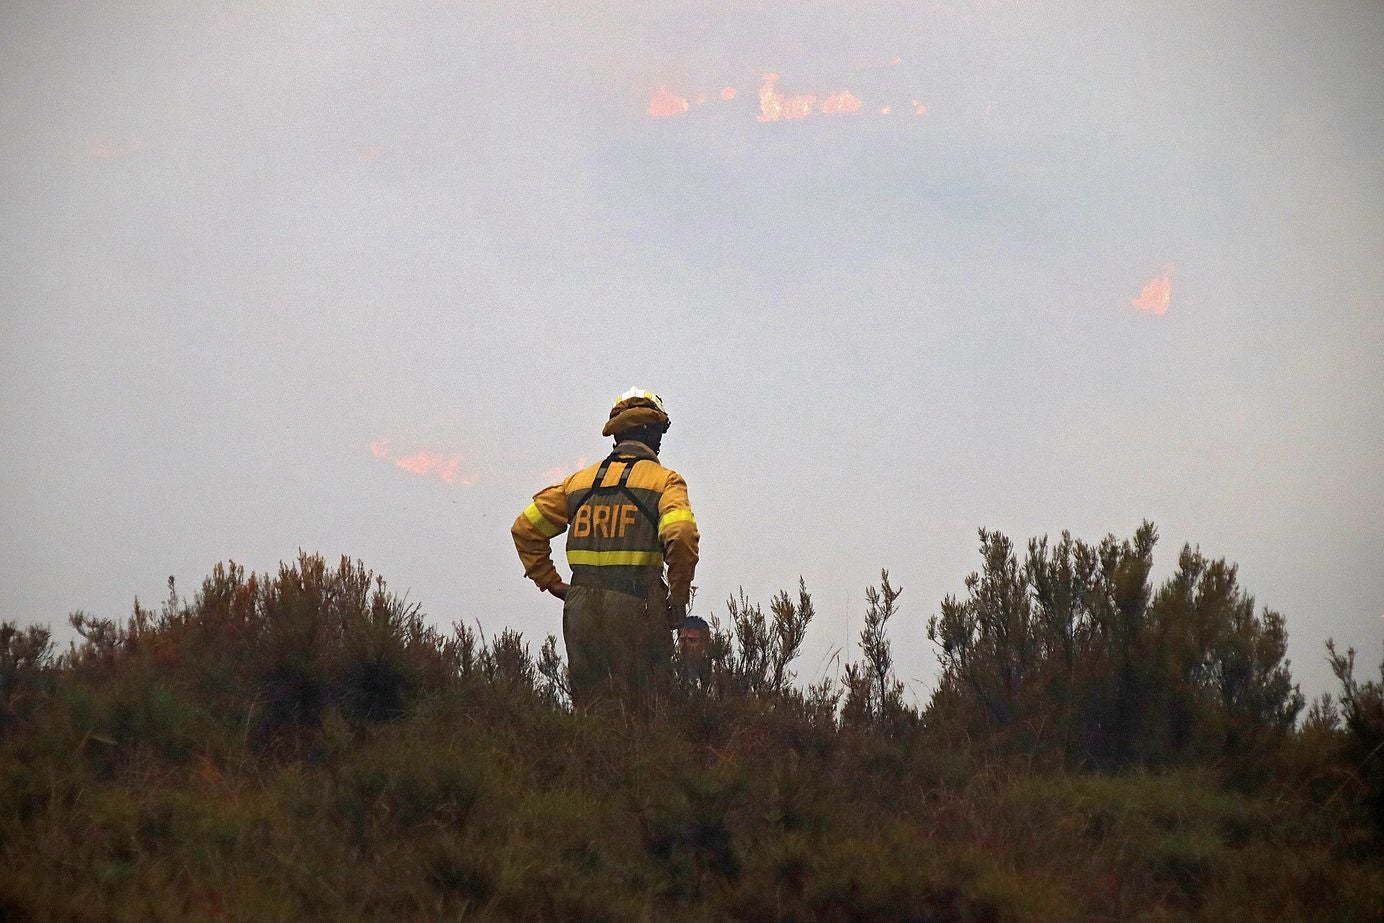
<point x="1157" y="292"/>
<point x="664" y="104"/>
<point x="424" y="463"/>
<point x="774" y="105"/>
<point x="845" y="101"/>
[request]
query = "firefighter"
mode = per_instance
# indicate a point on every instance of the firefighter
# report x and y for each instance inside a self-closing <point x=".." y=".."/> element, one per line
<point x="694" y="649"/>
<point x="626" y="518"/>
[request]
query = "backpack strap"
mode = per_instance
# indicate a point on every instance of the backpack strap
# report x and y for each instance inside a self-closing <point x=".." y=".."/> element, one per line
<point x="595" y="483"/>
<point x="622" y="486"/>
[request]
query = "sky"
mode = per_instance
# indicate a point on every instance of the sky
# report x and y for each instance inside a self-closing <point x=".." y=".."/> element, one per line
<point x="360" y="278"/>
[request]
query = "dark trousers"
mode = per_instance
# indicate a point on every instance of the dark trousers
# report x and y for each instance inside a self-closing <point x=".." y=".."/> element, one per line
<point x="618" y="646"/>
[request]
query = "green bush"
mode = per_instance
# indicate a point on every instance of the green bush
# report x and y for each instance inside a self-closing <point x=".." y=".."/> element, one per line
<point x="1363" y="708"/>
<point x="1074" y="653"/>
<point x="305" y="746"/>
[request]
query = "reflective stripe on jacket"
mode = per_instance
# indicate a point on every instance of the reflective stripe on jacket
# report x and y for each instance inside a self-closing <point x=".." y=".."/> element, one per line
<point x="620" y="532"/>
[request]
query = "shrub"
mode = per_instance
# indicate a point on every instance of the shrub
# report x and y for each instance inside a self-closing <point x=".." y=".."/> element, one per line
<point x="303" y="746"/>
<point x="26" y="661"/>
<point x="1074" y="653"/>
<point x="1363" y="709"/>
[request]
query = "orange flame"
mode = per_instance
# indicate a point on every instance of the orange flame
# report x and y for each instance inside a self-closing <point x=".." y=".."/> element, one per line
<point x="665" y="105"/>
<point x="423" y="463"/>
<point x="1156" y="294"/>
<point x="774" y="106"/>
<point x="845" y="101"/>
<point x="419" y="462"/>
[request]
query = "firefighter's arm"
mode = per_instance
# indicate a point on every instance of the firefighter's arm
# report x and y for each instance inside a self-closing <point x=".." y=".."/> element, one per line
<point x="541" y="521"/>
<point x="677" y="530"/>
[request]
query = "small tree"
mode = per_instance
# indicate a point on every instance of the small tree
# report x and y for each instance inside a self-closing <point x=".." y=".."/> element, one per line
<point x="753" y="656"/>
<point x="873" y="694"/>
<point x="557" y="685"/>
<point x="1074" y="652"/>
<point x="1362" y="705"/>
<point x="26" y="660"/>
<point x="986" y="645"/>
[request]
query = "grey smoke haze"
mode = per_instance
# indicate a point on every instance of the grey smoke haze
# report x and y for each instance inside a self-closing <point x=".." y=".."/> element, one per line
<point x="240" y="243"/>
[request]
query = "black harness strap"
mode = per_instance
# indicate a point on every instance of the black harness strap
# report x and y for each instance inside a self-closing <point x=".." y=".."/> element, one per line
<point x="622" y="486"/>
<point x="595" y="484"/>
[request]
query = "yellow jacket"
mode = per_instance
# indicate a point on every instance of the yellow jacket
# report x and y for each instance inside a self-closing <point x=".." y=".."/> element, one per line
<point x="624" y="528"/>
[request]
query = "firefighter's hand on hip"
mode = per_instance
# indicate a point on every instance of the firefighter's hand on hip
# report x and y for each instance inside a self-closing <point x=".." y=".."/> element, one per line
<point x="559" y="590"/>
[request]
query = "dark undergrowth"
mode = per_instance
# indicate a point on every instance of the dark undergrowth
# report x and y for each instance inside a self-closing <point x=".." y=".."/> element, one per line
<point x="303" y="746"/>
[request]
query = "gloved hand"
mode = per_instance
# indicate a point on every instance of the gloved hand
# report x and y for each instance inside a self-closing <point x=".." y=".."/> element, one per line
<point x="676" y="613"/>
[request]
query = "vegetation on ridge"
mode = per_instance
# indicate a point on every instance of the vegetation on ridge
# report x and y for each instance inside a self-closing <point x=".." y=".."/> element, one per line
<point x="306" y="746"/>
